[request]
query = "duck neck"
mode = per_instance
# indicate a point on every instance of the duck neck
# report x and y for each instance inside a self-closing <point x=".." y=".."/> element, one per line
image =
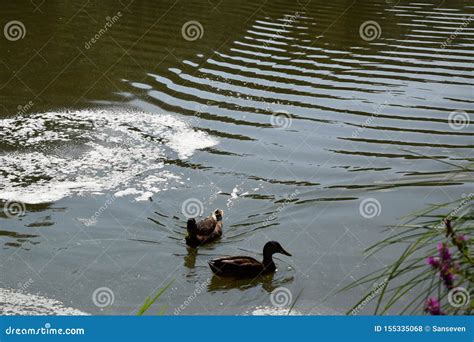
<point x="268" y="261"/>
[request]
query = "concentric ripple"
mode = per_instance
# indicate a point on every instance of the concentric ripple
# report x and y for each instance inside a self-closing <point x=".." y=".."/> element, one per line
<point x="372" y="104"/>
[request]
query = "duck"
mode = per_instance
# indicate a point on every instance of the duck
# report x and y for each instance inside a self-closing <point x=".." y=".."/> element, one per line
<point x="245" y="266"/>
<point x="204" y="231"/>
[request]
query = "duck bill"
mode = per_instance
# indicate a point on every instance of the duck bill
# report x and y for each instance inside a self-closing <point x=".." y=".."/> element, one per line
<point x="284" y="252"/>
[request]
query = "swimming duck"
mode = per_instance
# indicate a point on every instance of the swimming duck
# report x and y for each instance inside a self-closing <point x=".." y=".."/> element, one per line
<point x="245" y="266"/>
<point x="206" y="230"/>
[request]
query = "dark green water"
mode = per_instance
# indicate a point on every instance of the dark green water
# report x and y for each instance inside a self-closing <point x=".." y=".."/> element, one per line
<point x="280" y="113"/>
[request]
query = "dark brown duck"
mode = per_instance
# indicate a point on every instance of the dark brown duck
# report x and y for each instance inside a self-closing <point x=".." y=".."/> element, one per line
<point x="204" y="231"/>
<point x="245" y="266"/>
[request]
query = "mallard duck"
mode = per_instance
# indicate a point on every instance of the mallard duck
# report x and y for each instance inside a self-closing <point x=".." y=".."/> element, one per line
<point x="206" y="230"/>
<point x="245" y="266"/>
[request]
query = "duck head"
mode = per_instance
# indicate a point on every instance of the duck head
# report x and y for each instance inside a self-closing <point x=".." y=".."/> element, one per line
<point x="273" y="247"/>
<point x="218" y="213"/>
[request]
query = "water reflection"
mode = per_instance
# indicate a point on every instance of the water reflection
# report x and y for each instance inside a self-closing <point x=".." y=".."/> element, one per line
<point x="18" y="240"/>
<point x="190" y="258"/>
<point x="268" y="282"/>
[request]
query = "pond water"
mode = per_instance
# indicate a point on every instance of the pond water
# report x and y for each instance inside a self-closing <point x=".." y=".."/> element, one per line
<point x="312" y="123"/>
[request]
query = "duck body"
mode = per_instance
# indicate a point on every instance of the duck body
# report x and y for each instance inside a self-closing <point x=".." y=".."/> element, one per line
<point x="204" y="231"/>
<point x="240" y="266"/>
<point x="245" y="266"/>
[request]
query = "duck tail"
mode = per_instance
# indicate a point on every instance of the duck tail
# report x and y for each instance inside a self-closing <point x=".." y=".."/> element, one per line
<point x="191" y="227"/>
<point x="213" y="266"/>
<point x="191" y="238"/>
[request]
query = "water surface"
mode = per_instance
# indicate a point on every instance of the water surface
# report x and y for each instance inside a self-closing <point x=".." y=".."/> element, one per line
<point x="282" y="114"/>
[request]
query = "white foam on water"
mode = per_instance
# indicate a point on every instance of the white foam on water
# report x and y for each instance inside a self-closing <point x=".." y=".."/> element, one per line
<point x="235" y="194"/>
<point x="17" y="303"/>
<point x="276" y="311"/>
<point x="271" y="311"/>
<point x="52" y="155"/>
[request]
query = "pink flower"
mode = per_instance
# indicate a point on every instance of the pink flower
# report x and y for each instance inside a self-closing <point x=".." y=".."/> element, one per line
<point x="447" y="275"/>
<point x="444" y="252"/>
<point x="433" y="306"/>
<point x="448" y="280"/>
<point x="460" y="239"/>
<point x="433" y="261"/>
